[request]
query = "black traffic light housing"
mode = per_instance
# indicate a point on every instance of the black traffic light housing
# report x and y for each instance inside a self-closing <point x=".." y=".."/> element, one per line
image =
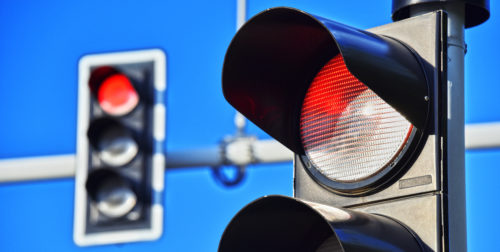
<point x="267" y="73"/>
<point x="290" y="224"/>
<point x="120" y="157"/>
<point x="279" y="50"/>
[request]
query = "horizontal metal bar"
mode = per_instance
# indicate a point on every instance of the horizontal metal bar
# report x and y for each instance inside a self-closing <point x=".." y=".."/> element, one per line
<point x="482" y="135"/>
<point x="37" y="168"/>
<point x="477" y="136"/>
<point x="61" y="166"/>
<point x="210" y="156"/>
<point x="242" y="152"/>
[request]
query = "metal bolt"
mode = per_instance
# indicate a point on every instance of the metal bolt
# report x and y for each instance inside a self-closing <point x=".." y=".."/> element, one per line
<point x="308" y="164"/>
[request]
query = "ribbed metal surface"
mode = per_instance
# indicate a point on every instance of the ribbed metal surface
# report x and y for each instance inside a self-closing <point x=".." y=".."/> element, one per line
<point x="347" y="131"/>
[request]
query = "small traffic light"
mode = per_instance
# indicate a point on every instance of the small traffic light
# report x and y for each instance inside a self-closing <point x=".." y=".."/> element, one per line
<point x="120" y="157"/>
<point x="365" y="113"/>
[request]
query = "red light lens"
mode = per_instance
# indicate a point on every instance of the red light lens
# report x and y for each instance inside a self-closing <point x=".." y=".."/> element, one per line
<point x="348" y="132"/>
<point x="117" y="96"/>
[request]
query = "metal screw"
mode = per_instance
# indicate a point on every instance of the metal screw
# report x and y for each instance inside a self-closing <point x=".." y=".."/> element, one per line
<point x="308" y="164"/>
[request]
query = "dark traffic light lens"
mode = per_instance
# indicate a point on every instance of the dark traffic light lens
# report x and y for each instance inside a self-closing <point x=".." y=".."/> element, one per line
<point x="114" y="143"/>
<point x="117" y="147"/>
<point x="115" y="200"/>
<point x="111" y="193"/>
<point x="117" y="95"/>
<point x="348" y="132"/>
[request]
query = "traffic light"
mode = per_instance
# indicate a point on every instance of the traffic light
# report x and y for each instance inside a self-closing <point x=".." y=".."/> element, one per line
<point x="120" y="139"/>
<point x="365" y="113"/>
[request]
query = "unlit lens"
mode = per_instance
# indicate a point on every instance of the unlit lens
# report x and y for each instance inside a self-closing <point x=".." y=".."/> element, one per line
<point x="115" y="199"/>
<point x="112" y="194"/>
<point x="117" y="147"/>
<point x="348" y="132"/>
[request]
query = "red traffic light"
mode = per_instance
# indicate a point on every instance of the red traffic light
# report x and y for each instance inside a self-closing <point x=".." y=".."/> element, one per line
<point x="275" y="56"/>
<point x="355" y="106"/>
<point x="365" y="113"/>
<point x="114" y="91"/>
<point x="120" y="154"/>
<point x="348" y="132"/>
<point x="117" y="96"/>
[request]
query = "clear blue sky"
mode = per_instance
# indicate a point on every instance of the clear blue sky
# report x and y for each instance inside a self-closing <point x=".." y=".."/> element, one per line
<point x="41" y="42"/>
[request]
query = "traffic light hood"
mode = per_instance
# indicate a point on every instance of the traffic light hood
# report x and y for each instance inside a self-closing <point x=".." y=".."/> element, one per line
<point x="288" y="224"/>
<point x="274" y="57"/>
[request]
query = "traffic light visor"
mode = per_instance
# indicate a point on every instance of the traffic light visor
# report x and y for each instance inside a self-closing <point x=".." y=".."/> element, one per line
<point x="273" y="59"/>
<point x="279" y="223"/>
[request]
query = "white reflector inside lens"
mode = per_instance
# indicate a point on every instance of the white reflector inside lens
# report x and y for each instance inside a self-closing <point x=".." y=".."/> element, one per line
<point x="348" y="132"/>
<point x="115" y="200"/>
<point x="117" y="147"/>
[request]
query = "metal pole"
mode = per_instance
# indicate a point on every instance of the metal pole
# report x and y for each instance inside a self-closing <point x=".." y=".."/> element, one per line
<point x="454" y="151"/>
<point x="482" y="135"/>
<point x="242" y="151"/>
<point x="478" y="136"/>
<point x="457" y="228"/>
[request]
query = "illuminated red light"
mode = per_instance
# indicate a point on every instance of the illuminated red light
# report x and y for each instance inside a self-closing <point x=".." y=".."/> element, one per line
<point x="116" y="95"/>
<point x="348" y="132"/>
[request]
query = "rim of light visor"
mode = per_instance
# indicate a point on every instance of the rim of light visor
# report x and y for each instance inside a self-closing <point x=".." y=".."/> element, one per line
<point x="274" y="57"/>
<point x="266" y="74"/>
<point x="281" y="223"/>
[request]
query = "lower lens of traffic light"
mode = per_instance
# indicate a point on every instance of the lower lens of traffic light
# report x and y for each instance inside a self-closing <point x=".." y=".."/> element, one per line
<point x="115" y="144"/>
<point x="115" y="200"/>
<point x="349" y="134"/>
<point x="112" y="194"/>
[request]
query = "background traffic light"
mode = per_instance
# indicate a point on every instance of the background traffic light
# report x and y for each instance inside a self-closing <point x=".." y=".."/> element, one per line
<point x="120" y="147"/>
<point x="366" y="114"/>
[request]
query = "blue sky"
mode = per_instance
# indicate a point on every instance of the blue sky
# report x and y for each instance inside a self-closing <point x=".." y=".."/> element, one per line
<point x="39" y="51"/>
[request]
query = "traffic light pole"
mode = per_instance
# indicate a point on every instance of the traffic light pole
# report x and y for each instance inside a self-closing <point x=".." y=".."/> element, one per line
<point x="454" y="148"/>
